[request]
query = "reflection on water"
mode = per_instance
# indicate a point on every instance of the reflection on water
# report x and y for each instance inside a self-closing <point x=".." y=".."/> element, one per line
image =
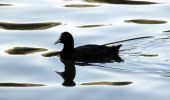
<point x="80" y="5"/>
<point x="5" y="5"/>
<point x="24" y="50"/>
<point x="145" y="21"/>
<point x="130" y="2"/>
<point x="70" y="71"/>
<point x="92" y="26"/>
<point x="28" y="26"/>
<point x="20" y="85"/>
<point x="108" y="83"/>
<point x="142" y="73"/>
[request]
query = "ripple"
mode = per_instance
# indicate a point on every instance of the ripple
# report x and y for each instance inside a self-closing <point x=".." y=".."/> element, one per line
<point x="51" y="54"/>
<point x="28" y="26"/>
<point x="108" y="83"/>
<point x="24" y="50"/>
<point x="80" y="5"/>
<point x="146" y="21"/>
<point x="5" y="5"/>
<point x="129" y="2"/>
<point x="20" y="85"/>
<point x="93" y="25"/>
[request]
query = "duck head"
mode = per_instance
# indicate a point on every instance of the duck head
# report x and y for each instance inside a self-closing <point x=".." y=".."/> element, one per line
<point x="67" y="39"/>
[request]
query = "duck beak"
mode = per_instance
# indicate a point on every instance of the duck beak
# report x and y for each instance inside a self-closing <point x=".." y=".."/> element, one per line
<point x="58" y="41"/>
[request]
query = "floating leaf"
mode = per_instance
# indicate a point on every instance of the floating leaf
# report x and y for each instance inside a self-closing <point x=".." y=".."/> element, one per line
<point x="24" y="50"/>
<point x="50" y="54"/>
<point x="145" y="21"/>
<point x="81" y="5"/>
<point x="130" y="2"/>
<point x="28" y="26"/>
<point x="20" y="85"/>
<point x="108" y="83"/>
<point x="91" y="26"/>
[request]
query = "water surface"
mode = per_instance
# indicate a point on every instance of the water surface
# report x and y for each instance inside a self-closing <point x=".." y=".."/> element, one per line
<point x="32" y="26"/>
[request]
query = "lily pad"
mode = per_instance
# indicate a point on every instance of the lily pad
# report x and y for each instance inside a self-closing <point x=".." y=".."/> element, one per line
<point x="92" y="26"/>
<point x="24" y="50"/>
<point x="145" y="21"/>
<point x="50" y="54"/>
<point x="28" y="26"/>
<point x="80" y="5"/>
<point x="108" y="83"/>
<point x="129" y="2"/>
<point x="20" y="85"/>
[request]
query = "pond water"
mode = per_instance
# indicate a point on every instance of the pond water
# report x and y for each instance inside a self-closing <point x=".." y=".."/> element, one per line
<point x="32" y="26"/>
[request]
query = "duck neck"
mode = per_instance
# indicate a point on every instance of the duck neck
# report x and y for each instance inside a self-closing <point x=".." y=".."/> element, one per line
<point x="68" y="47"/>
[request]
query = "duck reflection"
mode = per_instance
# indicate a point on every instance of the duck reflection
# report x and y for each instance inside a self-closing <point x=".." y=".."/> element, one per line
<point x="70" y="71"/>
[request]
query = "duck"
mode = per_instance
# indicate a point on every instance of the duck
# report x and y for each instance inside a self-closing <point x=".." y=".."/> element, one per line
<point x="85" y="52"/>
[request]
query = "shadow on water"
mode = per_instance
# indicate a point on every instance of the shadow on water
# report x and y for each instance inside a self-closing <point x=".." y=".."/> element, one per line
<point x="69" y="73"/>
<point x="24" y="50"/>
<point x="28" y="26"/>
<point x="129" y="2"/>
<point x="20" y="85"/>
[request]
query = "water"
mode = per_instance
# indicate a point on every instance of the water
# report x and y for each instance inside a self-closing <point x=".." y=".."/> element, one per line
<point x="143" y="75"/>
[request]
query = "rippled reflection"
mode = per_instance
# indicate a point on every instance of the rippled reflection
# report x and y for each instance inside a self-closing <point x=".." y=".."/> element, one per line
<point x="5" y="5"/>
<point x="24" y="50"/>
<point x="130" y="2"/>
<point x="146" y="21"/>
<point x="28" y="26"/>
<point x="20" y="85"/>
<point x="70" y="71"/>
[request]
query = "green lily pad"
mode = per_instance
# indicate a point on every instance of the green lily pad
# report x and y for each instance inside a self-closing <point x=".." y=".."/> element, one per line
<point x="52" y="53"/>
<point x="145" y="21"/>
<point x="28" y="26"/>
<point x="24" y="50"/>
<point x="80" y="5"/>
<point x="92" y="26"/>
<point x="108" y="83"/>
<point x="20" y="85"/>
<point x="129" y="2"/>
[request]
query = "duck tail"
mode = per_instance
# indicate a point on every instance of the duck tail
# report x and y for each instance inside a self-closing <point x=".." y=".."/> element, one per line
<point x="118" y="47"/>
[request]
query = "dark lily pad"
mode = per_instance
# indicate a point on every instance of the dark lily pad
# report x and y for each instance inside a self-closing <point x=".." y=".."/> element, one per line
<point x="20" y="85"/>
<point x="129" y="2"/>
<point x="28" y="26"/>
<point x="24" y="50"/>
<point x="81" y="5"/>
<point x="145" y="21"/>
<point x="108" y="83"/>
<point x="5" y="4"/>
<point x="92" y="26"/>
<point x="50" y="54"/>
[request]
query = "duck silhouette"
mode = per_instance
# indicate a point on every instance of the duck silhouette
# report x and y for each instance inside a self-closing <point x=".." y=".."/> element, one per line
<point x="69" y="73"/>
<point x="86" y="52"/>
